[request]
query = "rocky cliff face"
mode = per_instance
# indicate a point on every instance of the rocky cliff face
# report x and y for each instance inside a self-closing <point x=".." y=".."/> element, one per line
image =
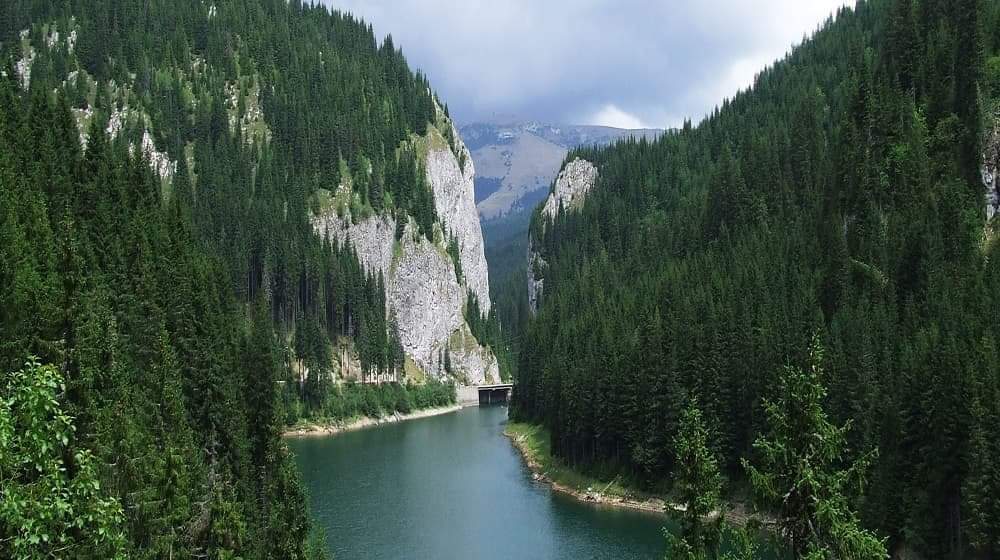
<point x="452" y="179"/>
<point x="536" y="266"/>
<point x="571" y="188"/>
<point x="422" y="287"/>
<point x="575" y="180"/>
<point x="991" y="170"/>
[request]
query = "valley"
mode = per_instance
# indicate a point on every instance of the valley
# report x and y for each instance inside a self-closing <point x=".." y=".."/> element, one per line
<point x="274" y="284"/>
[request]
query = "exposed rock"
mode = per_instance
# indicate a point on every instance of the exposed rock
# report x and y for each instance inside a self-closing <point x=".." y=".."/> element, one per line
<point x="159" y="161"/>
<point x="23" y="66"/>
<point x="535" y="281"/>
<point x="991" y="170"/>
<point x="116" y="122"/>
<point x="571" y="188"/>
<point x="82" y="118"/>
<point x="422" y="291"/>
<point x="575" y="180"/>
<point x="250" y="122"/>
<point x="454" y="200"/>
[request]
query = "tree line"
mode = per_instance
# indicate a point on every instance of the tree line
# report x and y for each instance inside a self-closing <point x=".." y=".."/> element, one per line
<point x="841" y="197"/>
<point x="178" y="311"/>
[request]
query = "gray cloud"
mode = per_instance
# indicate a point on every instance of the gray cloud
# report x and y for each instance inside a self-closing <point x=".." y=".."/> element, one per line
<point x="618" y="62"/>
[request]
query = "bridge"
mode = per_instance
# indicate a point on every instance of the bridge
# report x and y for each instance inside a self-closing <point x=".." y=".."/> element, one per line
<point x="494" y="394"/>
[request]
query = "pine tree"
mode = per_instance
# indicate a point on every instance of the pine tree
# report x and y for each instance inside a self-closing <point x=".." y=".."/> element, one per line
<point x="698" y="488"/>
<point x="798" y="472"/>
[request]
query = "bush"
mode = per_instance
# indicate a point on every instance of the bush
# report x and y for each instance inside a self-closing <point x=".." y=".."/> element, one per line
<point x="353" y="400"/>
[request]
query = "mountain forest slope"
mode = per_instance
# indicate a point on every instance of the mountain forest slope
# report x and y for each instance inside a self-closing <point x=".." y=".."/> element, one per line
<point x="160" y="166"/>
<point x="841" y="197"/>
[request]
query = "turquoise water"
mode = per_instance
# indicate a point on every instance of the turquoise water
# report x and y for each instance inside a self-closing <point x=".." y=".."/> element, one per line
<point x="453" y="486"/>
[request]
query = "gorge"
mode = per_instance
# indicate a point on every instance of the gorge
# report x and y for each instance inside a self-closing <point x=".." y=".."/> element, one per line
<point x="227" y="226"/>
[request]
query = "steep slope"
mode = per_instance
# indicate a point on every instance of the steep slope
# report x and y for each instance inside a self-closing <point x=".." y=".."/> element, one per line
<point x="162" y="164"/>
<point x="517" y="161"/>
<point x="569" y="193"/>
<point x="422" y="285"/>
<point x="842" y="197"/>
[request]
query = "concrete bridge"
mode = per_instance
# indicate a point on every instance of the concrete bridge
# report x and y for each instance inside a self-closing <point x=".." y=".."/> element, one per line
<point x="495" y="394"/>
<point x="474" y="395"/>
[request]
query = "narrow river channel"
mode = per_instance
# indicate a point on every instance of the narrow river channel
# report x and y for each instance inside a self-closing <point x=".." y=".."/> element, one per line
<point x="453" y="487"/>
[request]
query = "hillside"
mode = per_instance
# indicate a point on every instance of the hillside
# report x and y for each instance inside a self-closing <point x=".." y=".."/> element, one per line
<point x="516" y="164"/>
<point x="517" y="161"/>
<point x="832" y="221"/>
<point x="164" y="167"/>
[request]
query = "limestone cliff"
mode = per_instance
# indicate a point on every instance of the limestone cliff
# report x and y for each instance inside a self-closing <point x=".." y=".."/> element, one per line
<point x="422" y="287"/>
<point x="571" y="188"/>
<point x="991" y="170"/>
<point x="575" y="180"/>
<point x="452" y="178"/>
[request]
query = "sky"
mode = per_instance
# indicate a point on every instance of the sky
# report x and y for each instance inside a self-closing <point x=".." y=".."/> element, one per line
<point x="623" y="63"/>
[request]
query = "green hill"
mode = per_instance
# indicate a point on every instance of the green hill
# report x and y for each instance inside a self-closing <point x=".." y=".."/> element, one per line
<point x="159" y="164"/>
<point x="842" y="197"/>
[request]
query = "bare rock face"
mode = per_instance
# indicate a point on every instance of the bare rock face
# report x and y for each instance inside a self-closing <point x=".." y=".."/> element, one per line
<point x="535" y="280"/>
<point x="572" y="185"/>
<point x="452" y="179"/>
<point x="422" y="291"/>
<point x="422" y="287"/>
<point x="991" y="170"/>
<point x="575" y="180"/>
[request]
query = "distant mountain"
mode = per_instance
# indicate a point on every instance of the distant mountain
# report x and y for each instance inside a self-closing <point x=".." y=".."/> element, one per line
<point x="517" y="161"/>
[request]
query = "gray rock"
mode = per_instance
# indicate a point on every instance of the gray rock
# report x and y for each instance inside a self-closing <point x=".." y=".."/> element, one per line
<point x="571" y="188"/>
<point x="422" y="287"/>
<point x="575" y="180"/>
<point x="991" y="170"/>
<point x="455" y="202"/>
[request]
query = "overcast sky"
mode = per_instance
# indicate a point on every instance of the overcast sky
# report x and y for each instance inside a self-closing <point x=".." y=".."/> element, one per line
<point x="625" y="63"/>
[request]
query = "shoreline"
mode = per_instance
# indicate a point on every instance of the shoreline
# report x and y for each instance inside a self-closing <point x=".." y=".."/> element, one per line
<point x="364" y="422"/>
<point x="737" y="515"/>
<point x="590" y="496"/>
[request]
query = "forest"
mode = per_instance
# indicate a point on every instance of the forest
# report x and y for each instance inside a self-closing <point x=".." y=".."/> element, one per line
<point x="165" y="305"/>
<point x="813" y="260"/>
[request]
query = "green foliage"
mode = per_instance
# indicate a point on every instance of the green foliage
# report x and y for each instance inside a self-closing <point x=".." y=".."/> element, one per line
<point x="698" y="488"/>
<point x="489" y="332"/>
<point x="840" y="195"/>
<point x="799" y="476"/>
<point x="51" y="500"/>
<point x="508" y="290"/>
<point x="456" y="257"/>
<point x="167" y="302"/>
<point x="353" y="400"/>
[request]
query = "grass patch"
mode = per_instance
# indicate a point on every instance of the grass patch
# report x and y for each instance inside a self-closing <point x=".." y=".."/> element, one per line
<point x="535" y="443"/>
<point x="412" y="372"/>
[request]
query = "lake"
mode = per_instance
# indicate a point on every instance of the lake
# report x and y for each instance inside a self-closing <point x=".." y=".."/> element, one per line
<point x="452" y="486"/>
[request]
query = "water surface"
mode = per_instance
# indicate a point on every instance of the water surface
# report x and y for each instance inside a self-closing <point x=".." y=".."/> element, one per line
<point x="453" y="486"/>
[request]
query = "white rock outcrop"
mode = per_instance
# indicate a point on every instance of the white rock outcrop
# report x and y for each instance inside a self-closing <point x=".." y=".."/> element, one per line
<point x="455" y="202"/>
<point x="159" y="161"/>
<point x="574" y="181"/>
<point x="421" y="283"/>
<point x="535" y="281"/>
<point x="991" y="170"/>
<point x="571" y="188"/>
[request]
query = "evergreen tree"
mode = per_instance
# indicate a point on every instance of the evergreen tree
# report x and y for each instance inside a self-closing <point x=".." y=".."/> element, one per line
<point x="698" y="487"/>
<point x="799" y="475"/>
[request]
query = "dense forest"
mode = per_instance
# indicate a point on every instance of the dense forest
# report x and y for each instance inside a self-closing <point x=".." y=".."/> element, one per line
<point x="813" y="255"/>
<point x="162" y="292"/>
<point x="506" y="247"/>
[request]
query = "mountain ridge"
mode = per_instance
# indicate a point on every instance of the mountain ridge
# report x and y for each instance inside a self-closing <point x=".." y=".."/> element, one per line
<point x="518" y="160"/>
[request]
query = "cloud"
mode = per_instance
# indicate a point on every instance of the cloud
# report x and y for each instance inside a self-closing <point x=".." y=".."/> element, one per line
<point x="610" y="115"/>
<point x="649" y="61"/>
